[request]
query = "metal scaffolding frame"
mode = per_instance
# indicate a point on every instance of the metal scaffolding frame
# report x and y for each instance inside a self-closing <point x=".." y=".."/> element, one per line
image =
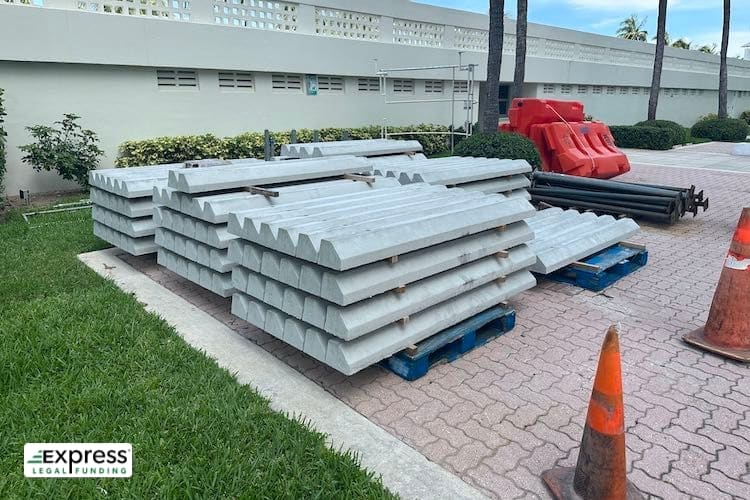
<point x="469" y="101"/>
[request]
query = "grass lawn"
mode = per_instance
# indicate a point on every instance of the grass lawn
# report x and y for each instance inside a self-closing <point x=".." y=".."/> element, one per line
<point x="81" y="361"/>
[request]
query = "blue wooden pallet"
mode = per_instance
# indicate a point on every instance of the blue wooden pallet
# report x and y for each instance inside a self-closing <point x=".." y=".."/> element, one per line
<point x="451" y="343"/>
<point x="602" y="269"/>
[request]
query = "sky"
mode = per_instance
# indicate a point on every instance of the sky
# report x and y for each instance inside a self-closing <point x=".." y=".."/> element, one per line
<point x="699" y="21"/>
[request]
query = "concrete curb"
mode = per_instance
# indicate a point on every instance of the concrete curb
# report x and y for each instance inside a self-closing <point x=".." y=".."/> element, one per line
<point x="404" y="470"/>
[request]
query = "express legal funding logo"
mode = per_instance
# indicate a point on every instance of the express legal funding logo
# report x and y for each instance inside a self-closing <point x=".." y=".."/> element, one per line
<point x="78" y="460"/>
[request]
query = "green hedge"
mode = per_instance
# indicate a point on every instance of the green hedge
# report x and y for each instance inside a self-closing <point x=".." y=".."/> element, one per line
<point x="680" y="134"/>
<point x="724" y="130"/>
<point x="627" y="136"/>
<point x="499" y="145"/>
<point x="3" y="135"/>
<point x="745" y="116"/>
<point x="250" y="144"/>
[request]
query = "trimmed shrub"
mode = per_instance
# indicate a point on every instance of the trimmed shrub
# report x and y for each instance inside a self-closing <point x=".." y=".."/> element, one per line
<point x="745" y="116"/>
<point x="680" y="134"/>
<point x="708" y="117"/>
<point x="723" y="130"/>
<point x="499" y="145"/>
<point x="641" y="137"/>
<point x="250" y="144"/>
<point x="3" y="135"/>
<point x="65" y="147"/>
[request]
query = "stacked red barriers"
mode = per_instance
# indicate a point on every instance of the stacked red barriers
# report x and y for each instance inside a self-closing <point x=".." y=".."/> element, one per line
<point x="566" y="143"/>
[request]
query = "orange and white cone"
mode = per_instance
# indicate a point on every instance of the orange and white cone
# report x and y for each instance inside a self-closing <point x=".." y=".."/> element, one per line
<point x="600" y="471"/>
<point x="727" y="331"/>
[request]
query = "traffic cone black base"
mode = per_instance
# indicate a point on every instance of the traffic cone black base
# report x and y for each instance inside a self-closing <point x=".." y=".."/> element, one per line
<point x="560" y="483"/>
<point x="698" y="339"/>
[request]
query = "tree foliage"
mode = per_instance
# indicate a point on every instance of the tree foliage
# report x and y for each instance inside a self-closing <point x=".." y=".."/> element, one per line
<point x="682" y="43"/>
<point x="176" y="149"/>
<point x="66" y="147"/>
<point x="631" y="28"/>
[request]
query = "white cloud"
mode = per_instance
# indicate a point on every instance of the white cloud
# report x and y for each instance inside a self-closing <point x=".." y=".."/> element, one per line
<point x="638" y="5"/>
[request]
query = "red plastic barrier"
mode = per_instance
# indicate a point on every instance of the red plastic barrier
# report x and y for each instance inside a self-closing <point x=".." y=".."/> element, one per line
<point x="565" y="142"/>
<point x="527" y="112"/>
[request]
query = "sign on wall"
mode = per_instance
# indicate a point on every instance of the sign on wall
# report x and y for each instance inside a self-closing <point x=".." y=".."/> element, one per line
<point x="311" y="82"/>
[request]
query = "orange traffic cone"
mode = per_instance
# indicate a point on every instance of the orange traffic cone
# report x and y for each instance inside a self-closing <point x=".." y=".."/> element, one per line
<point x="600" y="471"/>
<point x="727" y="331"/>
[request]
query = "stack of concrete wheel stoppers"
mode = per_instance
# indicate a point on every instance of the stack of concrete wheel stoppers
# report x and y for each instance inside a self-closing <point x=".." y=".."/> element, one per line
<point x="347" y="266"/>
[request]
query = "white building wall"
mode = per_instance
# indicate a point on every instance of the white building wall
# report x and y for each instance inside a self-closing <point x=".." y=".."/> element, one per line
<point x="124" y="103"/>
<point x="102" y="66"/>
<point x="626" y="105"/>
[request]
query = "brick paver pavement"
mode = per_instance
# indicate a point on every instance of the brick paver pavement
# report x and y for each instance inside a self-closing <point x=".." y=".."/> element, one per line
<point x="513" y="408"/>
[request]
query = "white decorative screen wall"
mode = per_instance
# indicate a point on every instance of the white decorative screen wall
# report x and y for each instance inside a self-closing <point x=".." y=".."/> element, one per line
<point x="34" y="3"/>
<point x="559" y="50"/>
<point x="177" y="10"/>
<point x="346" y="24"/>
<point x="256" y="14"/>
<point x="418" y="33"/>
<point x="470" y="39"/>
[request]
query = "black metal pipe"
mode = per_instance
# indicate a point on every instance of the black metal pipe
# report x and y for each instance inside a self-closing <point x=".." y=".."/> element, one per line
<point x="569" y="192"/>
<point x="670" y="218"/>
<point x="666" y="209"/>
<point x="562" y="180"/>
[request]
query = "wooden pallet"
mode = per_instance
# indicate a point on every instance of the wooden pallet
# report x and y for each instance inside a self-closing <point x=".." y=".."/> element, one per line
<point x="450" y="344"/>
<point x="604" y="268"/>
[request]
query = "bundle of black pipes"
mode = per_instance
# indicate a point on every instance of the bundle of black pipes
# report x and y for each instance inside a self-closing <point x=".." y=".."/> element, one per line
<point x="646" y="201"/>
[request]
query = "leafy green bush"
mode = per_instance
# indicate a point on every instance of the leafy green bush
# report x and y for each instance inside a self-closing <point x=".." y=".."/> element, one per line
<point x="641" y="137"/>
<point x="69" y="149"/>
<point x="745" y="116"/>
<point x="499" y="145"/>
<point x="680" y="134"/>
<point x="724" y="130"/>
<point x="250" y="144"/>
<point x="708" y="117"/>
<point x="3" y="135"/>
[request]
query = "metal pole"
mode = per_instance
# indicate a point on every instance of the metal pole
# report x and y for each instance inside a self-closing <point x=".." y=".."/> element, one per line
<point x="293" y="136"/>
<point x="453" y="104"/>
<point x="267" y="153"/>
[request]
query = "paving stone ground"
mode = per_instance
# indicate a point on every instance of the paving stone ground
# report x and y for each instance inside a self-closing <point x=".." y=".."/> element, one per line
<point x="503" y="413"/>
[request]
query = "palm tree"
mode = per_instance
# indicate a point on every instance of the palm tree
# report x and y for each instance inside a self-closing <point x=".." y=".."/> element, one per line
<point x="667" y="39"/>
<point x="491" y="114"/>
<point x="682" y="43"/>
<point x="661" y="40"/>
<point x="632" y="29"/>
<point x="520" y="72"/>
<point x="723" y="66"/>
<point x="708" y="49"/>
